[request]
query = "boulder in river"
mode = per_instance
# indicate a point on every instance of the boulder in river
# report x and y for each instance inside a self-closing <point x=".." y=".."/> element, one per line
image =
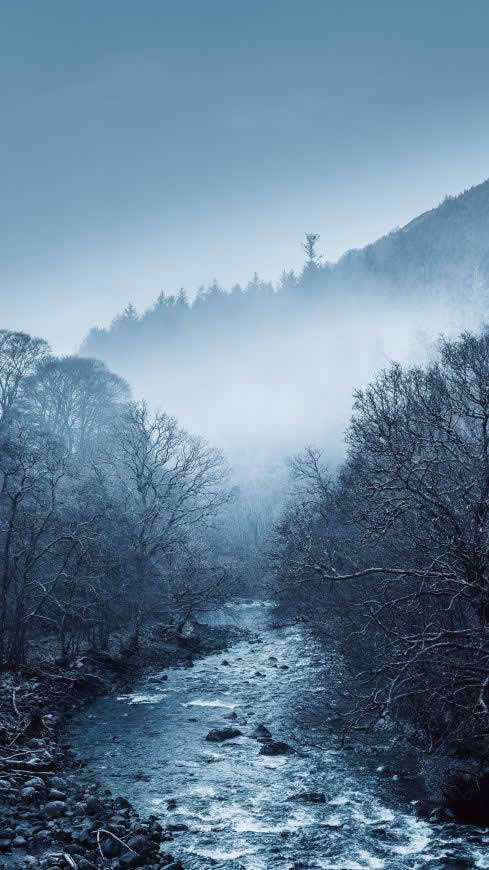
<point x="261" y="733"/>
<point x="217" y="735"/>
<point x="467" y="796"/>
<point x="313" y="797"/>
<point x="276" y="747"/>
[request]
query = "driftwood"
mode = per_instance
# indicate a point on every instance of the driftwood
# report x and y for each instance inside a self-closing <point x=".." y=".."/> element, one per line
<point x="115" y="837"/>
<point x="14" y="702"/>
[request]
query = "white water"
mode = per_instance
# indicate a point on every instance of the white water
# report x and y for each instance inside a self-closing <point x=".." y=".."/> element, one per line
<point x="150" y="746"/>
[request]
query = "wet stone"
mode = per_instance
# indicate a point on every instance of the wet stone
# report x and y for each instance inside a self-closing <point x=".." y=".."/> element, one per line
<point x="130" y="860"/>
<point x="261" y="733"/>
<point x="141" y="845"/>
<point x="35" y="782"/>
<point x="121" y="803"/>
<point x="110" y="847"/>
<point x="92" y="805"/>
<point x="218" y="735"/>
<point x="313" y="797"/>
<point x="55" y="809"/>
<point x="276" y="747"/>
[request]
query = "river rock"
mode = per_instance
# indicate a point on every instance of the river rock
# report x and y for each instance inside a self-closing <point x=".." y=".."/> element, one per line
<point x="121" y="803"/>
<point x="35" y="782"/>
<point x="29" y="793"/>
<point x="55" y="809"/>
<point x="457" y="863"/>
<point x="110" y="847"/>
<point x="92" y="805"/>
<point x="141" y="845"/>
<point x="314" y="797"/>
<point x="130" y="860"/>
<point x="261" y="733"/>
<point x="441" y="815"/>
<point x="217" y="735"/>
<point x="276" y="747"/>
<point x="56" y="795"/>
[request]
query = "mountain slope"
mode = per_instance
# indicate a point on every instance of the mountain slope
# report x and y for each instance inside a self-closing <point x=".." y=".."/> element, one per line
<point x="276" y="366"/>
<point x="445" y="248"/>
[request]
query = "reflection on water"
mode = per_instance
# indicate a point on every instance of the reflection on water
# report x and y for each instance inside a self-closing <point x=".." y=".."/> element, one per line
<point x="150" y="746"/>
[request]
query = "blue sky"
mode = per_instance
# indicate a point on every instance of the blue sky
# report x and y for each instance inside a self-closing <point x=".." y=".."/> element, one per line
<point x="151" y="145"/>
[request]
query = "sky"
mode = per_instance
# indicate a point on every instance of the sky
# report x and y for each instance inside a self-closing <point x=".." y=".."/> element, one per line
<point x="149" y="145"/>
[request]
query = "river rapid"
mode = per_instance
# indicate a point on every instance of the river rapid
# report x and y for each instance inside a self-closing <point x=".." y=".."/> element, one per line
<point x="234" y="805"/>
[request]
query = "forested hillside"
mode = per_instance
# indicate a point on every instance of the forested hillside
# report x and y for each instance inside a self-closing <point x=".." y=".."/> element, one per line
<point x="244" y="365"/>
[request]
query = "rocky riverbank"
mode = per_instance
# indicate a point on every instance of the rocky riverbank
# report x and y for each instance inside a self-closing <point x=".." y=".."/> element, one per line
<point x="48" y="818"/>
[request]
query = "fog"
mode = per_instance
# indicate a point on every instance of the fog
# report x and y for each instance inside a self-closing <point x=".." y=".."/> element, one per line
<point x="264" y="390"/>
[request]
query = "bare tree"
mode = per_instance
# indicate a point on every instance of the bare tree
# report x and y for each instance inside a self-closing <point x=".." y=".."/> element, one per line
<point x="36" y="547"/>
<point x="172" y="484"/>
<point x="76" y="398"/>
<point x="20" y="355"/>
<point x="416" y="491"/>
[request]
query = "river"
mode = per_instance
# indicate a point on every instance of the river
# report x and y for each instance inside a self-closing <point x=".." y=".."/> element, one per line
<point x="234" y="804"/>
